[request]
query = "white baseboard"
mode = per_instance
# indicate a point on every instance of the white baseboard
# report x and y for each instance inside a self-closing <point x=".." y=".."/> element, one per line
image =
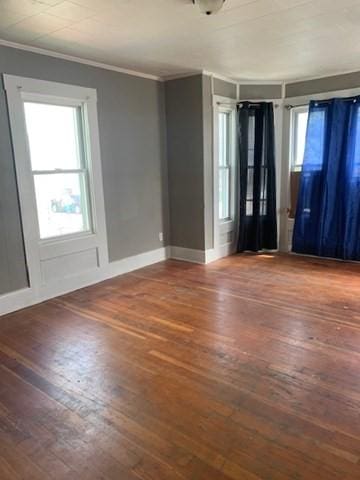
<point x="26" y="297"/>
<point x="201" y="256"/>
<point x="220" y="252"/>
<point x="137" y="261"/>
<point x="188" y="254"/>
<point x="10" y="302"/>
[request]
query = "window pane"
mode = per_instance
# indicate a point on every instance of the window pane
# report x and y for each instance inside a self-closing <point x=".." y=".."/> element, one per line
<point x="251" y="154"/>
<point x="263" y="186"/>
<point x="224" y="196"/>
<point x="250" y="184"/>
<point x="251" y="132"/>
<point x="53" y="134"/>
<point x="300" y="119"/>
<point x="224" y="139"/>
<point x="249" y="207"/>
<point x="61" y="204"/>
<point x="224" y="165"/>
<point x="263" y="205"/>
<point x="315" y="143"/>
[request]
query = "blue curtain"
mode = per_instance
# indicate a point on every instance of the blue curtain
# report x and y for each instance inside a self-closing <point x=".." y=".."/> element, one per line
<point x="327" y="220"/>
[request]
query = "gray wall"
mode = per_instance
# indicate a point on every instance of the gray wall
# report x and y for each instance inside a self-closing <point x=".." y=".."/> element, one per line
<point x="133" y="150"/>
<point x="226" y="89"/>
<point x="185" y="149"/>
<point x="327" y="84"/>
<point x="260" y="92"/>
<point x="208" y="161"/>
<point x="12" y="257"/>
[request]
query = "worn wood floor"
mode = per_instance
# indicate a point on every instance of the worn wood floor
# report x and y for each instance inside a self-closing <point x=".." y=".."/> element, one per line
<point x="245" y="369"/>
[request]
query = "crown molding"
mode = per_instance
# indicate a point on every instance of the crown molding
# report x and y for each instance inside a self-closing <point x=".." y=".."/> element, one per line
<point x="84" y="61"/>
<point x="261" y="82"/>
<point x="167" y="78"/>
<point x="220" y="77"/>
<point x="164" y="78"/>
<point x="321" y="77"/>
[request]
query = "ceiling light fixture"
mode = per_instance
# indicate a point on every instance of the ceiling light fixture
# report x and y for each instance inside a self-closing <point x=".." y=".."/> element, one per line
<point x="209" y="6"/>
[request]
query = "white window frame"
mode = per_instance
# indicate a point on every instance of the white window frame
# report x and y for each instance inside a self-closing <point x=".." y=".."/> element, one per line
<point x="85" y="168"/>
<point x="230" y="165"/>
<point x="223" y="226"/>
<point x="295" y="111"/>
<point x="18" y="90"/>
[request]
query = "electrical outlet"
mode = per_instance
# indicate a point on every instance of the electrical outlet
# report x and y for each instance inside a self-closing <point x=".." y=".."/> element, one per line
<point x="161" y="236"/>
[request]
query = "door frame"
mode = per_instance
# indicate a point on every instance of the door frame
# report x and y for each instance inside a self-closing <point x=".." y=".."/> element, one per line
<point x="17" y="89"/>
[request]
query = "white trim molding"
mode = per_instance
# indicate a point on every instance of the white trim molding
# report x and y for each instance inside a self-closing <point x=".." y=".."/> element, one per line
<point x="10" y="302"/>
<point x="84" y="61"/>
<point x="188" y="254"/>
<point x="26" y="297"/>
<point x="201" y="256"/>
<point x="88" y="248"/>
<point x="219" y="252"/>
<point x="135" y="262"/>
<point x="228" y="226"/>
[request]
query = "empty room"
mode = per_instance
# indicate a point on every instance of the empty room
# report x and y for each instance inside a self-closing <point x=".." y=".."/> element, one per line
<point x="179" y="240"/>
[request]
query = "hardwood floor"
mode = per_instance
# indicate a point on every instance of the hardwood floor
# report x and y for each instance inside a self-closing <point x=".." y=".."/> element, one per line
<point x="245" y="369"/>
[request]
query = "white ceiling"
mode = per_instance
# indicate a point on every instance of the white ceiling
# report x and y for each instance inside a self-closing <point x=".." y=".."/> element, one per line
<point x="248" y="39"/>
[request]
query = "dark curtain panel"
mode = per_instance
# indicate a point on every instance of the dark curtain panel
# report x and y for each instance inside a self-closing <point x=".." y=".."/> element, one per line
<point x="327" y="220"/>
<point x="257" y="213"/>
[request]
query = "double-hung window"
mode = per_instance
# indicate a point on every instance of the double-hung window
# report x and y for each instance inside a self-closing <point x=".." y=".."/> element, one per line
<point x="59" y="177"/>
<point x="225" y="165"/>
<point x="59" y="166"/>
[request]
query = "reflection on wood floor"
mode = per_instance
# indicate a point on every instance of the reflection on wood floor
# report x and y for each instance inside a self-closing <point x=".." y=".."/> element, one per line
<point x="245" y="369"/>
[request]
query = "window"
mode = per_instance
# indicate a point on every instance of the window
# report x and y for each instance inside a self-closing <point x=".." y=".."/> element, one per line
<point x="59" y="167"/>
<point x="298" y="137"/>
<point x="299" y="121"/>
<point x="225" y="165"/>
<point x="55" y="138"/>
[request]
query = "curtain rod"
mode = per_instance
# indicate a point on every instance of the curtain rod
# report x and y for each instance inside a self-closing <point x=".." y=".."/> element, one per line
<point x="276" y="105"/>
<point x="349" y="99"/>
<point x="289" y="107"/>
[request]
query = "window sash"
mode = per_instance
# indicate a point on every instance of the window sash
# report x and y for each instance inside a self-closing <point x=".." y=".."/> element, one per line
<point x="84" y="200"/>
<point x="296" y="164"/>
<point x="83" y="172"/>
<point x="225" y="194"/>
<point x="224" y="139"/>
<point x="78" y="131"/>
<point x="225" y="167"/>
<point x="59" y="170"/>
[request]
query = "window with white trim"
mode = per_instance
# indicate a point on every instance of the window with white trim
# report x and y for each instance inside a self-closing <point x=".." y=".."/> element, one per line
<point x="59" y="165"/>
<point x="299" y="118"/>
<point x="225" y="165"/>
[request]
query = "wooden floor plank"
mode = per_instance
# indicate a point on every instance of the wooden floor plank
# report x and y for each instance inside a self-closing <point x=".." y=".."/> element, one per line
<point x="244" y="369"/>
